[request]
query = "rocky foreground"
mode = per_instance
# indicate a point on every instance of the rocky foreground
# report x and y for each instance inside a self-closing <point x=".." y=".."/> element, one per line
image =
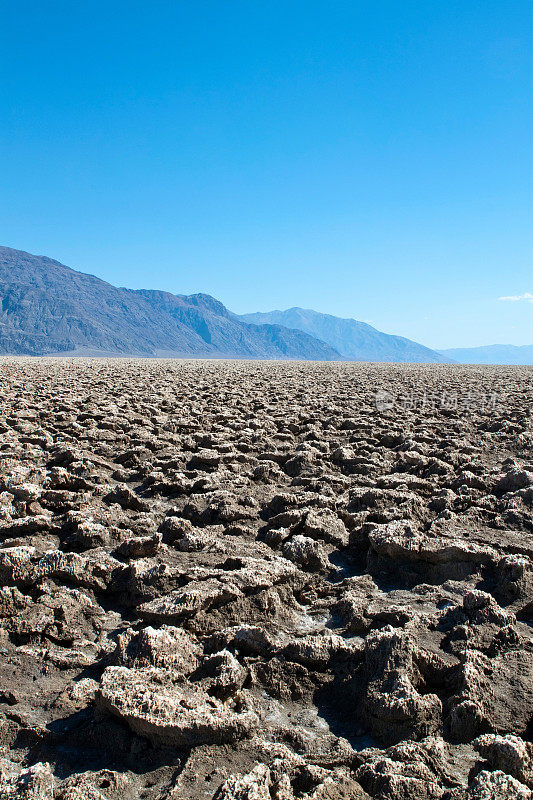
<point x="265" y="581"/>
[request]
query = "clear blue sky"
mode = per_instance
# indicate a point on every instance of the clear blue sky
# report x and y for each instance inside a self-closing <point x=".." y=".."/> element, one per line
<point x="367" y="159"/>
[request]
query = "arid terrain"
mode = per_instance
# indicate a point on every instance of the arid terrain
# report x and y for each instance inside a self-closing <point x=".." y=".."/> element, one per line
<point x="265" y="581"/>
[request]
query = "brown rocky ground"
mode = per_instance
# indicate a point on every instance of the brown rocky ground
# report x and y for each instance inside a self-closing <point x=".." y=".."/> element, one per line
<point x="265" y="581"/>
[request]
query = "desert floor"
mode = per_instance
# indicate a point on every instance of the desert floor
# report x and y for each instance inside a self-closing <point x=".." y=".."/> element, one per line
<point x="265" y="581"/>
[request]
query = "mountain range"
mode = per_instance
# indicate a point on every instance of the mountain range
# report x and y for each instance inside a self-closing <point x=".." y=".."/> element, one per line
<point x="48" y="308"/>
<point x="356" y="341"/>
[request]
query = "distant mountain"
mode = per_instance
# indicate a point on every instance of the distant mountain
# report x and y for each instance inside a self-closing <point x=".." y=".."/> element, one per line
<point x="48" y="308"/>
<point x="492" y="354"/>
<point x="352" y="339"/>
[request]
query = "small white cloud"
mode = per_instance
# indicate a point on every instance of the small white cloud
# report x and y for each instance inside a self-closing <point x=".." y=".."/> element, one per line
<point x="513" y="298"/>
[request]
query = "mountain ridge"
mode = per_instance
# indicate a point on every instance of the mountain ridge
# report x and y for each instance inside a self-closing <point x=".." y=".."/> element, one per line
<point x="48" y="308"/>
<point x="355" y="340"/>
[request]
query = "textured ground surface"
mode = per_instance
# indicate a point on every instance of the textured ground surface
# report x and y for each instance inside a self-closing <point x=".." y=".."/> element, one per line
<point x="265" y="581"/>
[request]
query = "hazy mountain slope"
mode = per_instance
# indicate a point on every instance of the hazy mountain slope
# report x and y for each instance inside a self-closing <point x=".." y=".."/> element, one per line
<point x="353" y="339"/>
<point x="47" y="307"/>
<point x="224" y="332"/>
<point x="492" y="354"/>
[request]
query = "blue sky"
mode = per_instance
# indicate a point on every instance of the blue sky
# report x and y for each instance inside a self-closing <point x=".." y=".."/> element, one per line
<point x="366" y="159"/>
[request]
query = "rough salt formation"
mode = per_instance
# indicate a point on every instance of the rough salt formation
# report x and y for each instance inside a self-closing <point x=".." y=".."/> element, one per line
<point x="249" y="581"/>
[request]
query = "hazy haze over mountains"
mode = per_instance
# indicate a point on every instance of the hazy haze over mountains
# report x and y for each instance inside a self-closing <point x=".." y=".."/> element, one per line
<point x="352" y="339"/>
<point x="492" y="354"/>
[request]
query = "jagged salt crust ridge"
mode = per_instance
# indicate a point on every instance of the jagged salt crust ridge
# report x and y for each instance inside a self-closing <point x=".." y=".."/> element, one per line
<point x="248" y="581"/>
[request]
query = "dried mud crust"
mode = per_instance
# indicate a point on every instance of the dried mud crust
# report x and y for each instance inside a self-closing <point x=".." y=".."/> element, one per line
<point x="250" y="581"/>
